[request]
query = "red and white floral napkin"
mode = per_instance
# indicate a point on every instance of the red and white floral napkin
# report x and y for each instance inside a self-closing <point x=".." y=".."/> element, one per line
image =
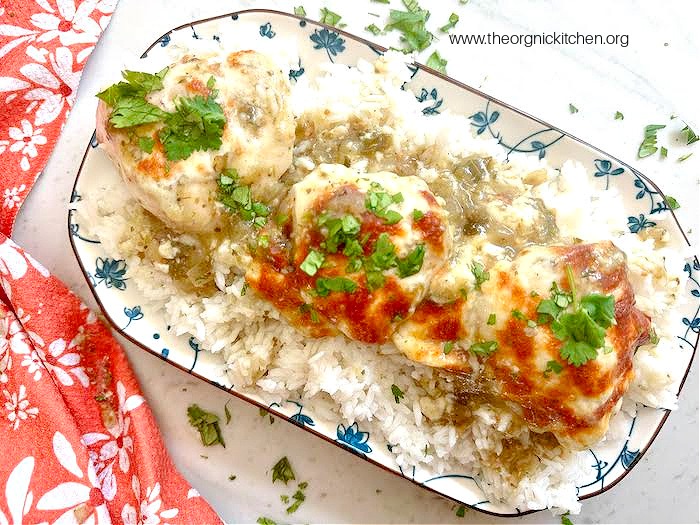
<point x="79" y="444"/>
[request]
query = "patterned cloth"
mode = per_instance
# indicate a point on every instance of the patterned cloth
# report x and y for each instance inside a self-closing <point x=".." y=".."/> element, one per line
<point x="79" y="443"/>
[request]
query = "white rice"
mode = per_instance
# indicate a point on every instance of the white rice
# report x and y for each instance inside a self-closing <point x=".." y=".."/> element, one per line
<point x="345" y="380"/>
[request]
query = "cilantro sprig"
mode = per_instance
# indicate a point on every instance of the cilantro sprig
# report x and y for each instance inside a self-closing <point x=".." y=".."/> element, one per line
<point x="581" y="323"/>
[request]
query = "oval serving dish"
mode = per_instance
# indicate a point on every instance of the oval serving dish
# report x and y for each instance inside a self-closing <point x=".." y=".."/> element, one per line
<point x="641" y="203"/>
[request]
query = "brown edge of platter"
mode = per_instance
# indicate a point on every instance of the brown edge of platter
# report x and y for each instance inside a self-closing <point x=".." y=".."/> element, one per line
<point x="459" y="84"/>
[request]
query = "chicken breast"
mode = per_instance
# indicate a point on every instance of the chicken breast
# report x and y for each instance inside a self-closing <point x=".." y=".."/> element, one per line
<point x="257" y="140"/>
<point x="504" y="347"/>
<point x="358" y="254"/>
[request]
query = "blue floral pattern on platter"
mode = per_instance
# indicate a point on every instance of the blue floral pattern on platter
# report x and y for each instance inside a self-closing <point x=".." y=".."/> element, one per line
<point x="640" y="203"/>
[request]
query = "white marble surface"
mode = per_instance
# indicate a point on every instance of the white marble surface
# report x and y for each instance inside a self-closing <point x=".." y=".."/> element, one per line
<point x="647" y="81"/>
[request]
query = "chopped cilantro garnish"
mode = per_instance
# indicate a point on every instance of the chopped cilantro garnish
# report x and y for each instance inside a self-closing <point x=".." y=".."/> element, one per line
<point x="337" y="231"/>
<point x="653" y="338"/>
<point x="412" y="263"/>
<point x="375" y="280"/>
<point x="146" y="144"/>
<point x="264" y="241"/>
<point x="281" y="218"/>
<point x="354" y="265"/>
<point x="239" y="199"/>
<point x="565" y="519"/>
<point x="619" y="116"/>
<point x="326" y="285"/>
<point x="648" y="145"/>
<point x="684" y="157"/>
<point x="553" y="366"/>
<point x="418" y="215"/>
<point x="517" y="314"/>
<point x="282" y="471"/>
<point x="492" y="320"/>
<point x="480" y="276"/>
<point x="312" y="262"/>
<point x="384" y="255"/>
<point x="448" y="346"/>
<point x="330" y="18"/>
<point x="573" y="109"/>
<point x="207" y="424"/>
<point x="411" y="25"/>
<point x="372" y="28"/>
<point x="690" y="135"/>
<point x="452" y="21"/>
<point x="313" y="314"/>
<point x="378" y="202"/>
<point x="299" y="10"/>
<point x="460" y="510"/>
<point x="485" y="348"/>
<point x="397" y="392"/>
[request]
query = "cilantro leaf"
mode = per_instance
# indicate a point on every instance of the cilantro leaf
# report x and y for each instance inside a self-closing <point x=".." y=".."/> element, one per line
<point x="480" y="276"/>
<point x="197" y="124"/>
<point x="146" y="144"/>
<point x="672" y="203"/>
<point x="145" y="82"/>
<point x="262" y="520"/>
<point x="384" y="255"/>
<point x="485" y="348"/>
<point x="565" y="519"/>
<point x="300" y="11"/>
<point x="619" y="116"/>
<point x="375" y="280"/>
<point x="372" y="28"/>
<point x="553" y="366"/>
<point x="326" y="285"/>
<point x="227" y="413"/>
<point x="412" y="263"/>
<point x="461" y="509"/>
<point x="282" y="471"/>
<point x="452" y="21"/>
<point x="572" y="109"/>
<point x="690" y="135"/>
<point x="378" y="202"/>
<point x="684" y="157"/>
<point x="312" y="262"/>
<point x="491" y="320"/>
<point x="134" y="111"/>
<point x="207" y="424"/>
<point x="447" y="347"/>
<point x="437" y="63"/>
<point x="417" y="215"/>
<point x="601" y="308"/>
<point x="239" y="199"/>
<point x="397" y="392"/>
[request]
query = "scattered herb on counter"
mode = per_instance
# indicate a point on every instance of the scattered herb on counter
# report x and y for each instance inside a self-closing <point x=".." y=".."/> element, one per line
<point x="411" y="25"/>
<point x="492" y="320"/>
<point x="648" y="145"/>
<point x="619" y="116"/>
<point x="451" y="22"/>
<point x="299" y="10"/>
<point x="480" y="276"/>
<point x="265" y="521"/>
<point x="460" y="510"/>
<point x="553" y="366"/>
<point x="227" y="414"/>
<point x="282" y="471"/>
<point x="397" y="392"/>
<point x="565" y="519"/>
<point x="232" y="477"/>
<point x="672" y="203"/>
<point x="299" y="497"/>
<point x="381" y="1"/>
<point x="485" y="348"/>
<point x="690" y="135"/>
<point x="663" y="152"/>
<point x="284" y="498"/>
<point x="207" y="424"/>
<point x="263" y="412"/>
<point x="684" y="157"/>
<point x="330" y="18"/>
<point x="372" y="28"/>
<point x="437" y="63"/>
<point x="572" y="109"/>
<point x="447" y="347"/>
